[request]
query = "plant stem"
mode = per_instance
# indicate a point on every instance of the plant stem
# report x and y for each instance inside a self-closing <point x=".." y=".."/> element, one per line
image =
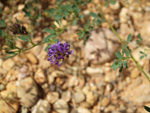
<point x="31" y="40"/>
<point x="123" y="43"/>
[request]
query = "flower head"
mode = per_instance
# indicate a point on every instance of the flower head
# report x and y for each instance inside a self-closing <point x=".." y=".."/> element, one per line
<point x="57" y="52"/>
<point x="18" y="29"/>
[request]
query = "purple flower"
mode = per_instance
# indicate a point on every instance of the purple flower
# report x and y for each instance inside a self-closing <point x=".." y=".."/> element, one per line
<point x="18" y="29"/>
<point x="57" y="53"/>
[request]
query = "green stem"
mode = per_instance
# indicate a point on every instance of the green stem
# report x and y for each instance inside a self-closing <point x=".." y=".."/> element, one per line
<point x="31" y="40"/>
<point x="123" y="43"/>
<point x="138" y="65"/>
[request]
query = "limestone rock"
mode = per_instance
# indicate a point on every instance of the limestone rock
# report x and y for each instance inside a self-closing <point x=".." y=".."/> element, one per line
<point x="52" y="97"/>
<point x="42" y="106"/>
<point x="101" y="46"/>
<point x="79" y="97"/>
<point x="27" y="92"/>
<point x="61" y="106"/>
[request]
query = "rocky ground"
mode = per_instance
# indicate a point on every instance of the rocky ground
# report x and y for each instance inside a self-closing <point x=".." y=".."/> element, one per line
<point x="84" y="83"/>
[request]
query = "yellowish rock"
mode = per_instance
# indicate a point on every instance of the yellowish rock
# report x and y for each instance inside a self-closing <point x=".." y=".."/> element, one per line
<point x="32" y="58"/>
<point x="135" y="73"/>
<point x="105" y="102"/>
<point x="20" y="7"/>
<point x="8" y="64"/>
<point x="10" y="97"/>
<point x="40" y="76"/>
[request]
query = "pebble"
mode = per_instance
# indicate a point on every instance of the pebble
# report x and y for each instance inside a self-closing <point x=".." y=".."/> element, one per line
<point x="8" y="64"/>
<point x="79" y="97"/>
<point x="51" y="79"/>
<point x="91" y="70"/>
<point x="104" y="53"/>
<point x="135" y="73"/>
<point x="83" y="110"/>
<point x="91" y="98"/>
<point x="105" y="102"/>
<point x="73" y="81"/>
<point x="40" y="76"/>
<point x="20" y="7"/>
<point x="10" y="94"/>
<point x="42" y="106"/>
<point x="85" y="105"/>
<point x="52" y="97"/>
<point x="32" y="58"/>
<point x="61" y="106"/>
<point x="27" y="91"/>
<point x="124" y="16"/>
<point x="66" y="96"/>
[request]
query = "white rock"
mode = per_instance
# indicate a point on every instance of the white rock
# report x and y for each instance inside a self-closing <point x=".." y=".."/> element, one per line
<point x="41" y="107"/>
<point x="79" y="97"/>
<point x="61" y="106"/>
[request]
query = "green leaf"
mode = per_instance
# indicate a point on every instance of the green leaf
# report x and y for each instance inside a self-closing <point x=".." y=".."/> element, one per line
<point x="81" y="16"/>
<point x="93" y="15"/>
<point x="28" y="13"/>
<point x="46" y="49"/>
<point x="24" y="38"/>
<point x="57" y="17"/>
<point x="47" y="39"/>
<point x="1" y="11"/>
<point x="125" y="64"/>
<point x="121" y="68"/>
<point x="10" y="53"/>
<point x="2" y="23"/>
<point x="49" y="30"/>
<point x="112" y="2"/>
<point x="9" y="56"/>
<point x="141" y="57"/>
<point x="139" y="36"/>
<point x="129" y="38"/>
<point x="74" y="22"/>
<point x="147" y="108"/>
<point x="142" y="52"/>
<point x="118" y="54"/>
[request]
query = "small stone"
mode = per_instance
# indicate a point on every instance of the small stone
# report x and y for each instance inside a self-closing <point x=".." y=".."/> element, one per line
<point x="52" y="97"/>
<point x="78" y="97"/>
<point x="91" y="70"/>
<point x="85" y="105"/>
<point x="105" y="102"/>
<point x="32" y="58"/>
<point x="19" y="15"/>
<point x="8" y="64"/>
<point x="109" y="87"/>
<point x="27" y="91"/>
<point x="61" y="106"/>
<point x="51" y="79"/>
<point x="40" y="76"/>
<point x="86" y="89"/>
<point x="83" y="110"/>
<point x="10" y="94"/>
<point x="41" y="107"/>
<point x="20" y="7"/>
<point x="2" y="87"/>
<point x="124" y="15"/>
<point x="59" y="81"/>
<point x="101" y="54"/>
<point x="91" y="98"/>
<point x="73" y="81"/>
<point x="66" y="96"/>
<point x="135" y="73"/>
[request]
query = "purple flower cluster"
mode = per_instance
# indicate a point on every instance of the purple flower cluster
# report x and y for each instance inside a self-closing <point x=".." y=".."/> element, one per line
<point x="57" y="53"/>
<point x="18" y="29"/>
